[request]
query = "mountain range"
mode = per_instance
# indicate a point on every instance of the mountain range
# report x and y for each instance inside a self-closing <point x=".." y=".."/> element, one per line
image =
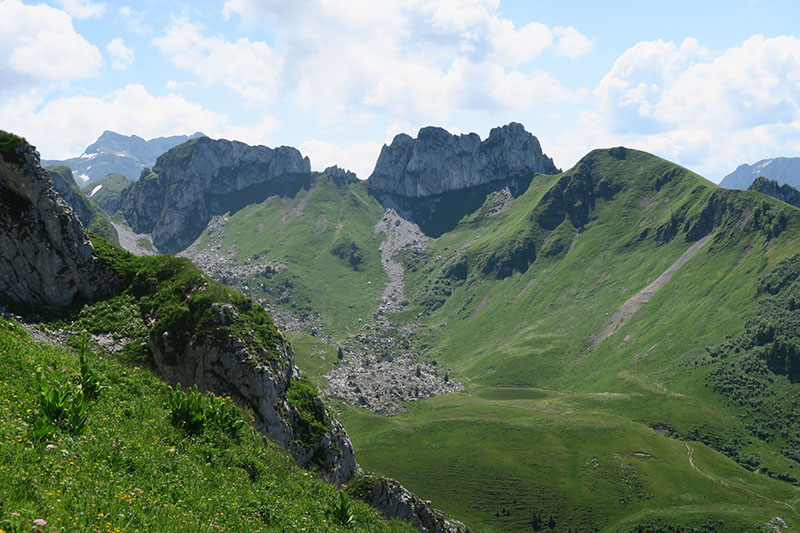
<point x="122" y="154"/>
<point x="609" y="348"/>
<point x="784" y="170"/>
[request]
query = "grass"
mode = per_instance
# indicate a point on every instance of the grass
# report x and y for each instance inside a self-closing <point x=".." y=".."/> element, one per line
<point x="554" y="430"/>
<point x="8" y="147"/>
<point x="109" y="194"/>
<point x="310" y="233"/>
<point x="131" y="469"/>
<point x="544" y="403"/>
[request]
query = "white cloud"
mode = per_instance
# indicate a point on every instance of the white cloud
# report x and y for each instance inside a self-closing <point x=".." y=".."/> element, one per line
<point x="572" y="43"/>
<point x="83" y="9"/>
<point x="122" y="55"/>
<point x="40" y="45"/>
<point x="710" y="112"/>
<point x="414" y="58"/>
<point x="249" y="68"/>
<point x="67" y="125"/>
<point x="357" y="157"/>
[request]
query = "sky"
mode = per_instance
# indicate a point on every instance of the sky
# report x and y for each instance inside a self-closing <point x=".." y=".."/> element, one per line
<point x="709" y="85"/>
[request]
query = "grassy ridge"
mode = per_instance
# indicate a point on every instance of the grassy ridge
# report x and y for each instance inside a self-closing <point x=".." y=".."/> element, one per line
<point x="324" y="235"/>
<point x="132" y="470"/>
<point x="530" y="328"/>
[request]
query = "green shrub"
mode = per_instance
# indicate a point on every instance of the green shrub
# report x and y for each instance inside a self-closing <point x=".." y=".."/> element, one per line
<point x="194" y="412"/>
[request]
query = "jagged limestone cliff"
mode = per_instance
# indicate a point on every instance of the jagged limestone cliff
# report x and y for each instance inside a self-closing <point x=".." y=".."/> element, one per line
<point x="437" y="161"/>
<point x="45" y="257"/>
<point x="201" y="178"/>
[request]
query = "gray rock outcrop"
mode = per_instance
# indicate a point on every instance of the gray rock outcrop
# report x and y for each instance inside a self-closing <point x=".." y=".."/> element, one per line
<point x="232" y="365"/>
<point x="438" y="161"/>
<point x="395" y="501"/>
<point x="201" y="178"/>
<point x="45" y="257"/>
<point x="785" y="193"/>
<point x="781" y="169"/>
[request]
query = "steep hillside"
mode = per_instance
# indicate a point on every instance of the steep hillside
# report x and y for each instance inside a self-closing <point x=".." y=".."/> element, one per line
<point x="133" y="464"/>
<point x="784" y="170"/>
<point x="91" y="215"/>
<point x="107" y="190"/>
<point x="122" y="154"/>
<point x="583" y="320"/>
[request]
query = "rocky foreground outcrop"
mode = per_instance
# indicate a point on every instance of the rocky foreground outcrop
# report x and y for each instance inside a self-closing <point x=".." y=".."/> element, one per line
<point x="45" y="257"/>
<point x="394" y="500"/>
<point x="438" y="161"/>
<point x="238" y="365"/>
<point x="784" y="193"/>
<point x="201" y="178"/>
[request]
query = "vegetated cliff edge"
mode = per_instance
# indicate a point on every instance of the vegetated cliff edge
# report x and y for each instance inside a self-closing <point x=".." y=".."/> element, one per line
<point x="200" y="332"/>
<point x="201" y="178"/>
<point x="785" y="193"/>
<point x="438" y="161"/>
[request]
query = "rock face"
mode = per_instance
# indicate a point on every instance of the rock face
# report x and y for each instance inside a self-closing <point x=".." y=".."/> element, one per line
<point x="202" y="178"/>
<point x="395" y="501"/>
<point x="437" y="161"/>
<point x="45" y="257"/>
<point x="781" y="169"/>
<point x="91" y="216"/>
<point x="123" y="154"/>
<point x="231" y="365"/>
<point x="784" y="193"/>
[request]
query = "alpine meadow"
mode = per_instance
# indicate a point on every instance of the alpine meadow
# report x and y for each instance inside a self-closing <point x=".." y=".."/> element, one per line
<point x="440" y="266"/>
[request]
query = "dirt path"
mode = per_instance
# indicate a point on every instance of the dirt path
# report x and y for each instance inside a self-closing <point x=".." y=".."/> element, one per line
<point x="297" y="212"/>
<point x="629" y="308"/>
<point x="690" y="455"/>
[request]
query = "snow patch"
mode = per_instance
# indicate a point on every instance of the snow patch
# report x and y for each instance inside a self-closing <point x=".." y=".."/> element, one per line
<point x="88" y="156"/>
<point x="765" y="163"/>
<point x="95" y="190"/>
<point x="84" y="177"/>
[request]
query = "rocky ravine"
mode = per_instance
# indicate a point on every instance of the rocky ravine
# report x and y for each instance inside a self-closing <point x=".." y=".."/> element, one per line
<point x="382" y="370"/>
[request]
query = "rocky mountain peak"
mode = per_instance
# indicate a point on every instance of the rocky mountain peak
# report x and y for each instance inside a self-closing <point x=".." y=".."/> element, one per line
<point x="201" y="178"/>
<point x="438" y="161"/>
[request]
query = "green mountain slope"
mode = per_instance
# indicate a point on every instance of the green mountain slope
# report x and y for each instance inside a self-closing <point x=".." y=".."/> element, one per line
<point x="107" y="190"/>
<point x="131" y="469"/>
<point x="558" y="422"/>
<point x="312" y="256"/>
<point x="92" y="216"/>
<point x="587" y="317"/>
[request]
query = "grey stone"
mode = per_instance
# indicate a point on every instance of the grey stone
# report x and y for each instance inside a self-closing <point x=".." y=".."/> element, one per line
<point x="197" y="180"/>
<point x="437" y="161"/>
<point x="45" y="257"/>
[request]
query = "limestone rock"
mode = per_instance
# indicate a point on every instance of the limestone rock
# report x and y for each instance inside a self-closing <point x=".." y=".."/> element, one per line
<point x="201" y="178"/>
<point x="395" y="501"/>
<point x="45" y="257"/>
<point x="231" y="365"/>
<point x="785" y="193"/>
<point x="437" y="161"/>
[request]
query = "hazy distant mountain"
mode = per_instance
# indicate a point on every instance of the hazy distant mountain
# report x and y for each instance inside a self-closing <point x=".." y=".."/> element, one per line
<point x="121" y="154"/>
<point x="781" y="169"/>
